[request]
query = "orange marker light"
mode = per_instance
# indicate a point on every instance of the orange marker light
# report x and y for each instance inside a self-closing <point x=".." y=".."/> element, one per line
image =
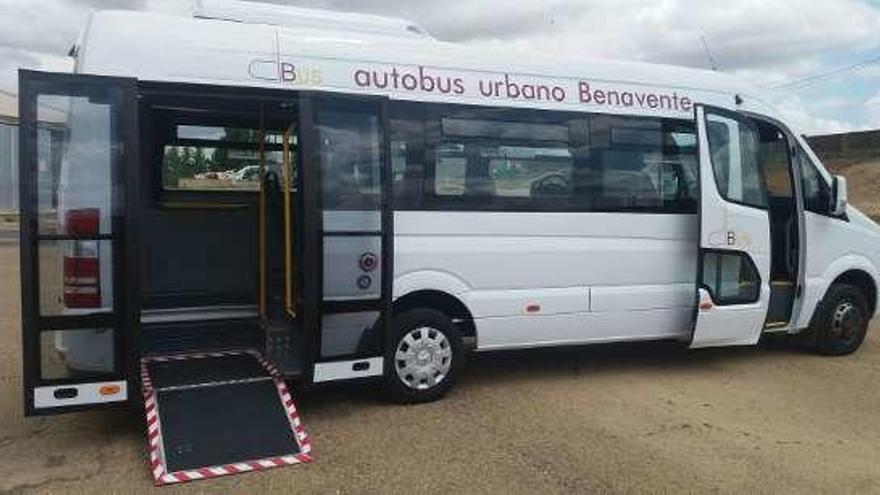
<point x="109" y="390"/>
<point x="533" y="308"/>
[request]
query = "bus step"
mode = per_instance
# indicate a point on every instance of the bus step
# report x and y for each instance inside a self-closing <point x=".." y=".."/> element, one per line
<point x="284" y="347"/>
<point x="219" y="413"/>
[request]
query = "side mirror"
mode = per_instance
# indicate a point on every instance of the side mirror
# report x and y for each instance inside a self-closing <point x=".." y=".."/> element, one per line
<point x="838" y="196"/>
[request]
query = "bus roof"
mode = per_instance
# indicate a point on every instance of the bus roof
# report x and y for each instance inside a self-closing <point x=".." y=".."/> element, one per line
<point x="297" y="17"/>
<point x="403" y="66"/>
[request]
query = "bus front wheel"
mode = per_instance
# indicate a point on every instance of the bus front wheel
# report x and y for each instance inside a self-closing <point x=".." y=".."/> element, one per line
<point x="841" y="321"/>
<point x="425" y="357"/>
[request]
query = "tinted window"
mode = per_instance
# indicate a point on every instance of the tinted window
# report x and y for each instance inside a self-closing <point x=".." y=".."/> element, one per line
<point x="494" y="169"/>
<point x="536" y="160"/>
<point x="734" y="147"/>
<point x="639" y="164"/>
<point x="503" y="159"/>
<point x="407" y="135"/>
<point x="817" y="192"/>
<point x="350" y="157"/>
<point x="450" y="170"/>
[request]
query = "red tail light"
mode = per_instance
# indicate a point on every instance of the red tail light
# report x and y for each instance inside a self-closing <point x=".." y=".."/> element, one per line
<point x="82" y="275"/>
<point x="82" y="222"/>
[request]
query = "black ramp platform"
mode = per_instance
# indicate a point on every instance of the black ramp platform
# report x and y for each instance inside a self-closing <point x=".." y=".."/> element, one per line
<point x="213" y="415"/>
<point x="206" y="370"/>
<point x="211" y="426"/>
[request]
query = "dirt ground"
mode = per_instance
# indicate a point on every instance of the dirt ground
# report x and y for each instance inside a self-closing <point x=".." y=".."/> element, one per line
<point x="862" y="185"/>
<point x="609" y="419"/>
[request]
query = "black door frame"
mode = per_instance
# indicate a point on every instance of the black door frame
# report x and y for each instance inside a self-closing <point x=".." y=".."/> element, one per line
<point x="123" y="99"/>
<point x="314" y="307"/>
<point x="124" y="317"/>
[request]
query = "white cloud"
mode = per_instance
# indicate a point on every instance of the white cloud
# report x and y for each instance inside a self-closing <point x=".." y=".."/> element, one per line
<point x="873" y="109"/>
<point x="795" y="111"/>
<point x="764" y="41"/>
<point x="766" y="34"/>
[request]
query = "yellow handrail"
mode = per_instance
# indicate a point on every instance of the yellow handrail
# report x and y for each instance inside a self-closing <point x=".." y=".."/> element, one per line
<point x="287" y="175"/>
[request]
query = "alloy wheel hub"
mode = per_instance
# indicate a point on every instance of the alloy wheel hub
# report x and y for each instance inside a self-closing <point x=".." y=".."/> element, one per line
<point x="846" y="321"/>
<point x="423" y="358"/>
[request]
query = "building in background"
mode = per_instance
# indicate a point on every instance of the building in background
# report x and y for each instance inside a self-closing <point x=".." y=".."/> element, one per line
<point x="8" y="152"/>
<point x="50" y="136"/>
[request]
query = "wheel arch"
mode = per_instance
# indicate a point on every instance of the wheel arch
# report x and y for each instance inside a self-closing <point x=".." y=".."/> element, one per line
<point x="863" y="281"/>
<point x="442" y="301"/>
<point x="852" y="268"/>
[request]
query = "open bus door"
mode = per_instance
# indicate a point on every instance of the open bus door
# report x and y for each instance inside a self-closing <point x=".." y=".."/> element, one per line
<point x="78" y="140"/>
<point x="733" y="266"/>
<point x="348" y="235"/>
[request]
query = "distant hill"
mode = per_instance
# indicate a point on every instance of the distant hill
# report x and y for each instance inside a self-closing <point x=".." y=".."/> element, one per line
<point x="847" y="147"/>
<point x="856" y="156"/>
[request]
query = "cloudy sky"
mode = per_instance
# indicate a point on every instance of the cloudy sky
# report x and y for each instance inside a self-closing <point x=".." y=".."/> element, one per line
<point x="819" y="59"/>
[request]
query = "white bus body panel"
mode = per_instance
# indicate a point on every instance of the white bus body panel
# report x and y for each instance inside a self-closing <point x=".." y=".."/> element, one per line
<point x="592" y="276"/>
<point x="834" y="247"/>
<point x="595" y="276"/>
<point x="176" y="49"/>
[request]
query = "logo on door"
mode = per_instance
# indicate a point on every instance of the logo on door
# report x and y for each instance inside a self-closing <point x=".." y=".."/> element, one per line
<point x="729" y="239"/>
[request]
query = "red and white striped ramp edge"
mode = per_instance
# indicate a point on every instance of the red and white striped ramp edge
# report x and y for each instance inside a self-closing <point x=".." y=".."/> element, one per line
<point x="155" y="449"/>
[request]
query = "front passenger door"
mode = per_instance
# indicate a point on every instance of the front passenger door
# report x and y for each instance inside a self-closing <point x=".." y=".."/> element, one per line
<point x="733" y="272"/>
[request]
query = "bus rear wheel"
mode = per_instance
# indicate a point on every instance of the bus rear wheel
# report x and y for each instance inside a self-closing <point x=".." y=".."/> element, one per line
<point x="425" y="357"/>
<point x="841" y="321"/>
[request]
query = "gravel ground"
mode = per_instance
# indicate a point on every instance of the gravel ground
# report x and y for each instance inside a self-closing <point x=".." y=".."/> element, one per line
<point x="611" y="419"/>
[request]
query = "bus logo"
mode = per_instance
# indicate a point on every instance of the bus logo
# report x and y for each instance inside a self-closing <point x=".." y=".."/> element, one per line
<point x="284" y="72"/>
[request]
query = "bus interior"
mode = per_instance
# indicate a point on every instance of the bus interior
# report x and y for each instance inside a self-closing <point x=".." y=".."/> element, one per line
<point x="779" y="176"/>
<point x="220" y="237"/>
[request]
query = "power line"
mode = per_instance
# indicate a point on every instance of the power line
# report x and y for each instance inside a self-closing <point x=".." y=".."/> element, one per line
<point x="810" y="80"/>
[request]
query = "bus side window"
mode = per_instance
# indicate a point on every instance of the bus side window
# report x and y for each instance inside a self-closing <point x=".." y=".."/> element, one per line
<point x="641" y="164"/>
<point x="406" y="128"/>
<point x="518" y="161"/>
<point x="817" y="192"/>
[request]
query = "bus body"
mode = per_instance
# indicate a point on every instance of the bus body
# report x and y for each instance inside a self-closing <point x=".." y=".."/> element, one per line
<point x="357" y="199"/>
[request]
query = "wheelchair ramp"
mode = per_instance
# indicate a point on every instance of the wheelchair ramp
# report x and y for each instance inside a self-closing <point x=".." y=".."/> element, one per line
<point x="219" y="413"/>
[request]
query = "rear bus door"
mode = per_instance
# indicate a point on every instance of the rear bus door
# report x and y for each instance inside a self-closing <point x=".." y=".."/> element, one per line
<point x="78" y="137"/>
<point x="733" y="266"/>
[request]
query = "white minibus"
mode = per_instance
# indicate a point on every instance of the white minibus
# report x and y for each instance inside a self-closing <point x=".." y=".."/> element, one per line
<point x="344" y="197"/>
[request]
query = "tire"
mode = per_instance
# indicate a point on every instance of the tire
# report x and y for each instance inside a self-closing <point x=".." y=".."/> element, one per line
<point x="425" y="357"/>
<point x="841" y="321"/>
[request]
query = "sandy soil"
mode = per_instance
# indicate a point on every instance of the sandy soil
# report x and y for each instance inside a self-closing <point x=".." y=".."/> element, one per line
<point x="616" y="419"/>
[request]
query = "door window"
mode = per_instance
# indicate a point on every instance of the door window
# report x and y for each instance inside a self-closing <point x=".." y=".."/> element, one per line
<point x="733" y="146"/>
<point x="350" y="159"/>
<point x="75" y="154"/>
<point x="730" y="277"/>
<point x="817" y="192"/>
